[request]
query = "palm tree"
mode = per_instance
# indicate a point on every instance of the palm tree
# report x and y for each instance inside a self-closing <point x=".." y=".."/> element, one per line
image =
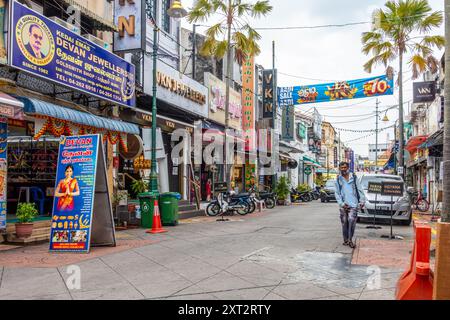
<point x="402" y="28"/>
<point x="231" y="32"/>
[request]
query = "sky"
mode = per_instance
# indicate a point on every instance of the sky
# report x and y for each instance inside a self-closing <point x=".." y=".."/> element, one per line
<point x="328" y="54"/>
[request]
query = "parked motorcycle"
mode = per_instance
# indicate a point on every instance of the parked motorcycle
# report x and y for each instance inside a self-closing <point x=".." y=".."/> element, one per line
<point x="228" y="203"/>
<point x="269" y="198"/>
<point x="315" y="194"/>
<point x="303" y="196"/>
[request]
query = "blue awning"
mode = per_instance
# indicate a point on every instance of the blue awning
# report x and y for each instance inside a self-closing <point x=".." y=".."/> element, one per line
<point x="39" y="107"/>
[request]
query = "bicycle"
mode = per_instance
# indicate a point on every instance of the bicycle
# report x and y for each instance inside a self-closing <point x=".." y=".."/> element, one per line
<point x="419" y="202"/>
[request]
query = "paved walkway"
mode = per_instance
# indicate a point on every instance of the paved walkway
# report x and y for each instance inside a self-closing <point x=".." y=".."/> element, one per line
<point x="288" y="253"/>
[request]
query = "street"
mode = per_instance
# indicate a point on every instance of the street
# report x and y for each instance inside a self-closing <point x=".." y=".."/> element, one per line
<point x="293" y="252"/>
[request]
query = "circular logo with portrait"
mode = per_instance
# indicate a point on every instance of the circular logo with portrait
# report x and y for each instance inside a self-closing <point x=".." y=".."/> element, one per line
<point x="35" y="40"/>
<point x="128" y="87"/>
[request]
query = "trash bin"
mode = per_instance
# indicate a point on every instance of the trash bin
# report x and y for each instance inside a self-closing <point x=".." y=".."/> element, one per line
<point x="168" y="205"/>
<point x="146" y="201"/>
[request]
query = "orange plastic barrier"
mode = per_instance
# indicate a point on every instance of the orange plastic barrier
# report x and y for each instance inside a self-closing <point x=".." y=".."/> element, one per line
<point x="417" y="282"/>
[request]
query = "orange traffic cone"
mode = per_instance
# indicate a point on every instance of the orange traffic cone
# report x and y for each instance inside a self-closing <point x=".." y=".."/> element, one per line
<point x="156" y="226"/>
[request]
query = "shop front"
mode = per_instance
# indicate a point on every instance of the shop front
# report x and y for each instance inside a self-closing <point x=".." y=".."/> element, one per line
<point x="216" y="124"/>
<point x="32" y="148"/>
<point x="172" y="172"/>
<point x="417" y="165"/>
<point x="181" y="102"/>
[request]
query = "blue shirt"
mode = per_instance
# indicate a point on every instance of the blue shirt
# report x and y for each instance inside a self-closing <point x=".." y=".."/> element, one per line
<point x="345" y="192"/>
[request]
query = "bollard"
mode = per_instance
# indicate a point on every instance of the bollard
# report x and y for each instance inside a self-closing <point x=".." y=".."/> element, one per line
<point x="416" y="283"/>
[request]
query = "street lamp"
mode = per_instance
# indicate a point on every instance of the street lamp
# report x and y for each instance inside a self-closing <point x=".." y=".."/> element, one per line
<point x="175" y="11"/>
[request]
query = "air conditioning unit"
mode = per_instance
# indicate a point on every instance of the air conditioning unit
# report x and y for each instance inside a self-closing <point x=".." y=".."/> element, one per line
<point x="98" y="41"/>
<point x="71" y="27"/>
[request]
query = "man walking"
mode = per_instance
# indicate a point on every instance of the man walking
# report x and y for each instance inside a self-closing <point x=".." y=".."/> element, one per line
<point x="350" y="197"/>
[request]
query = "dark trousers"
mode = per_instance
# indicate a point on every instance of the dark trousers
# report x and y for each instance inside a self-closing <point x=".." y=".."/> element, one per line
<point x="348" y="221"/>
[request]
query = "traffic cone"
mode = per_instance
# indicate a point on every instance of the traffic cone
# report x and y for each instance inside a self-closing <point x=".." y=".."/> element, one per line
<point x="156" y="225"/>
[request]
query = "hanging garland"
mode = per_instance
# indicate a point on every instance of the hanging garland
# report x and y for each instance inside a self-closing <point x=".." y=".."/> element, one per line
<point x="123" y="145"/>
<point x="58" y="127"/>
<point x="113" y="136"/>
<point x="46" y="127"/>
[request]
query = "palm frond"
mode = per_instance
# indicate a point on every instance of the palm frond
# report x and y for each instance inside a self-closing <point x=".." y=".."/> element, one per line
<point x="434" y="20"/>
<point x="261" y="8"/>
<point x="434" y="41"/>
<point x="215" y="30"/>
<point x="419" y="65"/>
<point x="201" y="11"/>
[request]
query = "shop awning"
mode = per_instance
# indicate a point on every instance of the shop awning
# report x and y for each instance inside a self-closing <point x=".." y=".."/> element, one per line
<point x="435" y="139"/>
<point x="415" y="142"/>
<point x="311" y="162"/>
<point x="39" y="107"/>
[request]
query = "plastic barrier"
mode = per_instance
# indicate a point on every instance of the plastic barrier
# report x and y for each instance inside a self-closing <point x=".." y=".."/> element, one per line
<point x="417" y="282"/>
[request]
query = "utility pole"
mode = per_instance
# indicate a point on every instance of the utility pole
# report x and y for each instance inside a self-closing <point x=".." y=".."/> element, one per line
<point x="339" y="149"/>
<point x="228" y="82"/>
<point x="274" y="114"/>
<point x="194" y="51"/>
<point x="376" y="138"/>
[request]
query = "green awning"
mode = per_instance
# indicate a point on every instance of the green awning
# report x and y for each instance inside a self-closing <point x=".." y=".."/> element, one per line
<point x="311" y="161"/>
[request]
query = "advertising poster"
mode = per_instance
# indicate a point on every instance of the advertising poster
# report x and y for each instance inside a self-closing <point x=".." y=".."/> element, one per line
<point x="248" y="103"/>
<point x="48" y="50"/>
<point x="337" y="91"/>
<point x="3" y="170"/>
<point x="74" y="193"/>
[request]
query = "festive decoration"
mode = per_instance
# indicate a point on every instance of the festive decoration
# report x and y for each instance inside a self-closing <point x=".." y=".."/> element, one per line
<point x="58" y="127"/>
<point x="122" y="142"/>
<point x="46" y="127"/>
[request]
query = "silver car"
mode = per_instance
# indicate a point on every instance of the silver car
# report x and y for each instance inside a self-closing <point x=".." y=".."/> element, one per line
<point x="380" y="206"/>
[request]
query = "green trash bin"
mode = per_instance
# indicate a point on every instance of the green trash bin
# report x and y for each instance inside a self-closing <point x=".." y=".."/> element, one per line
<point x="168" y="206"/>
<point x="146" y="202"/>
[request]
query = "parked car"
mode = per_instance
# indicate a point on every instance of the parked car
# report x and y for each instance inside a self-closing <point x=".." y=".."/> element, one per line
<point x="381" y="208"/>
<point x="327" y="193"/>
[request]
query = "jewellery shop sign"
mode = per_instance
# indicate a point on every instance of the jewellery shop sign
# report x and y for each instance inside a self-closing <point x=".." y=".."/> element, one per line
<point x="49" y="50"/>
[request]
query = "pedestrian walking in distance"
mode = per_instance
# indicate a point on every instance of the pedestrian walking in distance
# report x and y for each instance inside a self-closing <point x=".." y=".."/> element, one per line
<point x="350" y="197"/>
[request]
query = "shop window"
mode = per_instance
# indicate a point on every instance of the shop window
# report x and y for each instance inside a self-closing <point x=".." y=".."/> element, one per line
<point x="165" y="18"/>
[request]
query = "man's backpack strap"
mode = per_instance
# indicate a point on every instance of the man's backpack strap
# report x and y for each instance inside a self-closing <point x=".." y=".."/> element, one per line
<point x="356" y="187"/>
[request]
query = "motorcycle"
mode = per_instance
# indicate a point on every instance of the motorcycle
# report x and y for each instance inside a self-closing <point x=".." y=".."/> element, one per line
<point x="228" y="203"/>
<point x="304" y="196"/>
<point x="315" y="194"/>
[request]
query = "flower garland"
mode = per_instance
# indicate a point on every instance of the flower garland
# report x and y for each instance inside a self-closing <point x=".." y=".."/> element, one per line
<point x="123" y="145"/>
<point x="59" y="127"/>
<point x="46" y="127"/>
<point x="113" y="136"/>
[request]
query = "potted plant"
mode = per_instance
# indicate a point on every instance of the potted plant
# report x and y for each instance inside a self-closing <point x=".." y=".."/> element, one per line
<point x="139" y="186"/>
<point x="25" y="213"/>
<point x="282" y="190"/>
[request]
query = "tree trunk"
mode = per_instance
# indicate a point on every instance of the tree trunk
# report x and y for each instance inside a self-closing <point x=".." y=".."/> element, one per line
<point x="441" y="285"/>
<point x="227" y="94"/>
<point x="446" y="183"/>
<point x="401" y="160"/>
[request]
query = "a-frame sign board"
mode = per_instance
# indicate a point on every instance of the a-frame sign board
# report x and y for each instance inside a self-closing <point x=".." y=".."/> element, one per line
<point x="82" y="212"/>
